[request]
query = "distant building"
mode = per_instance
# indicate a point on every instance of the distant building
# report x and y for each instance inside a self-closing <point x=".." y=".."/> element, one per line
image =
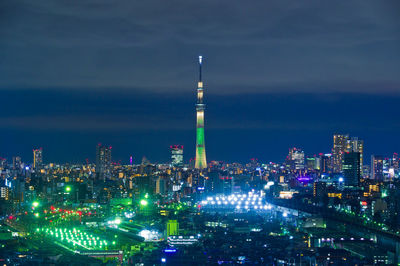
<point x="5" y="193"/>
<point x="377" y="167"/>
<point x="176" y="155"/>
<point x="319" y="189"/>
<point x="213" y="184"/>
<point x="161" y="186"/>
<point x="37" y="158"/>
<point x="351" y="168"/>
<point x="395" y="161"/>
<point x="227" y="184"/>
<point x="356" y="145"/>
<point x="17" y="162"/>
<point x="366" y="171"/>
<point x="340" y="144"/>
<point x="103" y="161"/>
<point x="313" y="163"/>
<point x="146" y="184"/>
<point x="219" y="182"/>
<point x="296" y="158"/>
<point x="326" y="163"/>
<point x="172" y="228"/>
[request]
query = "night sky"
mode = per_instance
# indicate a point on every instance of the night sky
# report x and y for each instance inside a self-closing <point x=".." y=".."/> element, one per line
<point x="277" y="74"/>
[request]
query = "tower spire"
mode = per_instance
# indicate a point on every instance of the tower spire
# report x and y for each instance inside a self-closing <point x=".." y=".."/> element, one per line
<point x="200" y="61"/>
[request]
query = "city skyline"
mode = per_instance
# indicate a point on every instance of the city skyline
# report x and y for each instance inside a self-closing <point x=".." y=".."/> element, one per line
<point x="199" y="132"/>
<point x="138" y="160"/>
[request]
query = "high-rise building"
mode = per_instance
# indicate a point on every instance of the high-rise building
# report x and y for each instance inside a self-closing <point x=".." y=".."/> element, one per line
<point x="356" y="145"/>
<point x="17" y="162"/>
<point x="176" y="155"/>
<point x="339" y="148"/>
<point x="377" y="167"/>
<point x="313" y="163"/>
<point x="326" y="162"/>
<point x="37" y="158"/>
<point x="319" y="189"/>
<point x="201" y="161"/>
<point x="213" y="183"/>
<point x="351" y="168"/>
<point x="161" y="186"/>
<point x="227" y="184"/>
<point x="296" y="158"/>
<point x="395" y="161"/>
<point x="103" y="161"/>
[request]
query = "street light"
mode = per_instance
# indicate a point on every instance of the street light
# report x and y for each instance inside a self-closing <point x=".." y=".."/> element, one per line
<point x="143" y="202"/>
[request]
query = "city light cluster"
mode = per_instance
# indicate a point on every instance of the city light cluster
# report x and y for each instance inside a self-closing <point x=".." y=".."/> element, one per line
<point x="149" y="235"/>
<point x="239" y="201"/>
<point x="76" y="238"/>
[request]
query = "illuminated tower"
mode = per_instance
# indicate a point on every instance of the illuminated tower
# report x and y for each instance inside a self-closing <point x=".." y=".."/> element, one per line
<point x="201" y="161"/>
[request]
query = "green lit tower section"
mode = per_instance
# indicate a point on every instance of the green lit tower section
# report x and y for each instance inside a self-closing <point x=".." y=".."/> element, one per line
<point x="201" y="162"/>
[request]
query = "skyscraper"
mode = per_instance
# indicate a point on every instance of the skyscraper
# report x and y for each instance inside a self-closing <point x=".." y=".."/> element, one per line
<point x="339" y="148"/>
<point x="176" y="155"/>
<point x="37" y="158"/>
<point x="356" y="145"/>
<point x="103" y="161"/>
<point x="377" y="167"/>
<point x="201" y="161"/>
<point x="17" y="162"/>
<point x="161" y="186"/>
<point x="296" y="158"/>
<point x="351" y="168"/>
<point x="326" y="162"/>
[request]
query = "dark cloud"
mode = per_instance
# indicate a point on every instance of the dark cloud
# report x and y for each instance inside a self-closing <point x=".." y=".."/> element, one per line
<point x="151" y="45"/>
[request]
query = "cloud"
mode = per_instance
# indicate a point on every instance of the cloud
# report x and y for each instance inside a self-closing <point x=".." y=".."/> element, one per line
<point x="151" y="46"/>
